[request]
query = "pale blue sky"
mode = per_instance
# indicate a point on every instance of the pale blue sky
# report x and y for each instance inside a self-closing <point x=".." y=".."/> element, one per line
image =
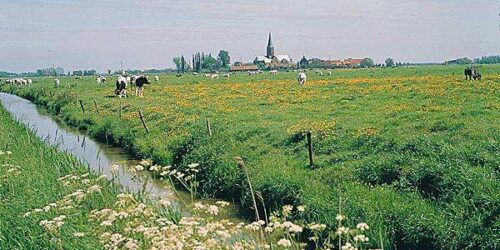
<point x="147" y="34"/>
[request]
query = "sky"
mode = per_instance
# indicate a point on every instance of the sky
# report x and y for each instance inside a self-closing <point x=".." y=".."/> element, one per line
<point x="99" y="34"/>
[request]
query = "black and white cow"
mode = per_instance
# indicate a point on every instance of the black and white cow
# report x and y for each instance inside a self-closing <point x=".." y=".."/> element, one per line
<point x="140" y="81"/>
<point x="121" y="87"/>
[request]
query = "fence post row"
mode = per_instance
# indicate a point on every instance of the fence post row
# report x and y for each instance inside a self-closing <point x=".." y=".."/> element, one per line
<point x="310" y="149"/>
<point x="143" y="122"/>
<point x="96" y="107"/>
<point x="121" y="108"/>
<point x="81" y="105"/>
<point x="208" y="127"/>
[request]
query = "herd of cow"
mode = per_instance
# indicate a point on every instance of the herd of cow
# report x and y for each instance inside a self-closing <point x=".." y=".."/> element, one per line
<point x="19" y="81"/>
<point x="138" y="81"/>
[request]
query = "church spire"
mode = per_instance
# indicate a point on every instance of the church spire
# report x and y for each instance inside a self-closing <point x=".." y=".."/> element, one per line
<point x="270" y="47"/>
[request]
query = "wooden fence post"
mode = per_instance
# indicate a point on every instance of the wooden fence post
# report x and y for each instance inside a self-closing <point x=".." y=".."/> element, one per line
<point x="81" y="105"/>
<point x="96" y="107"/>
<point x="143" y="122"/>
<point x="121" y="108"/>
<point x="208" y="127"/>
<point x="310" y="149"/>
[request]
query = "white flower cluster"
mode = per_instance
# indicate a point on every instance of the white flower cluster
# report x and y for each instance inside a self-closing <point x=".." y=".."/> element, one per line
<point x="5" y="152"/>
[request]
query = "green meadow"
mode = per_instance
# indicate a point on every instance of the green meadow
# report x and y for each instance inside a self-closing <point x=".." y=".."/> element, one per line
<point x="414" y="152"/>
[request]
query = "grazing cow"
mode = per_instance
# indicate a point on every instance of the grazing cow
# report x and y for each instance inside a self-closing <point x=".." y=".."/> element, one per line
<point x="468" y="73"/>
<point x="121" y="87"/>
<point x="30" y="81"/>
<point x="226" y="75"/>
<point x="140" y="81"/>
<point x="273" y="72"/>
<point x="214" y="76"/>
<point x="195" y="74"/>
<point x="57" y="83"/>
<point x="476" y="75"/>
<point x="101" y="80"/>
<point x="20" y="81"/>
<point x="329" y="73"/>
<point x="206" y="75"/>
<point x="132" y="79"/>
<point x="301" y="78"/>
<point x="157" y="79"/>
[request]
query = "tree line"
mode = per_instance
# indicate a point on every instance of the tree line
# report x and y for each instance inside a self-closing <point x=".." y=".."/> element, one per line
<point x="201" y="61"/>
<point x="482" y="60"/>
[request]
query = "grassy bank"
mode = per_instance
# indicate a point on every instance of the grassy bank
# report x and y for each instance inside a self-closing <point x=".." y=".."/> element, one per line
<point x="49" y="201"/>
<point x="29" y="175"/>
<point x="412" y="151"/>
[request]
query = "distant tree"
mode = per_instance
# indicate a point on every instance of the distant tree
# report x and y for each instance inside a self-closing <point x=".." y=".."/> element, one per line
<point x="198" y="61"/>
<point x="183" y="64"/>
<point x="487" y="59"/>
<point x="463" y="60"/>
<point x="366" y="63"/>
<point x="209" y="62"/>
<point x="224" y="58"/>
<point x="389" y="62"/>
<point x="178" y="63"/>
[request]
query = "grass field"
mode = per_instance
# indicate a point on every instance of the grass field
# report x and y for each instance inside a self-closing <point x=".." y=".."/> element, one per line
<point x="50" y="201"/>
<point x="414" y="152"/>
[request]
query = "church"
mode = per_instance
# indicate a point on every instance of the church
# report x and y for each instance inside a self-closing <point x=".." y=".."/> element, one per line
<point x="272" y="60"/>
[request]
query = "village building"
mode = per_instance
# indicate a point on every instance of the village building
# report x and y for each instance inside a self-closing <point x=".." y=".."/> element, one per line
<point x="330" y="63"/>
<point x="272" y="60"/>
<point x="351" y="62"/>
<point x="303" y="63"/>
<point x="243" y="67"/>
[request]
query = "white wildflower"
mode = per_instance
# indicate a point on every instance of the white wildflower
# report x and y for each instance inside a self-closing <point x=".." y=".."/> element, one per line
<point x="139" y="168"/>
<point x="362" y="226"/>
<point x="78" y="234"/>
<point x="284" y="243"/>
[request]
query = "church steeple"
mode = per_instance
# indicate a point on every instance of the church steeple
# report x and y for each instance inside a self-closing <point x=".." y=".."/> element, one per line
<point x="270" y="47"/>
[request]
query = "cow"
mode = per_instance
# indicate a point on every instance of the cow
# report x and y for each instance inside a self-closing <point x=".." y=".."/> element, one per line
<point x="214" y="76"/>
<point x="140" y="81"/>
<point x="57" y="83"/>
<point x="301" y="78"/>
<point x="226" y="75"/>
<point x="157" y="79"/>
<point x="273" y="72"/>
<point x="468" y="73"/>
<point x="121" y="87"/>
<point x="476" y="75"/>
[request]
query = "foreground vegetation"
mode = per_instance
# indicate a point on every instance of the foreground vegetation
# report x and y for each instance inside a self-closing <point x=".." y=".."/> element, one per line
<point x="414" y="152"/>
<point x="50" y="201"/>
